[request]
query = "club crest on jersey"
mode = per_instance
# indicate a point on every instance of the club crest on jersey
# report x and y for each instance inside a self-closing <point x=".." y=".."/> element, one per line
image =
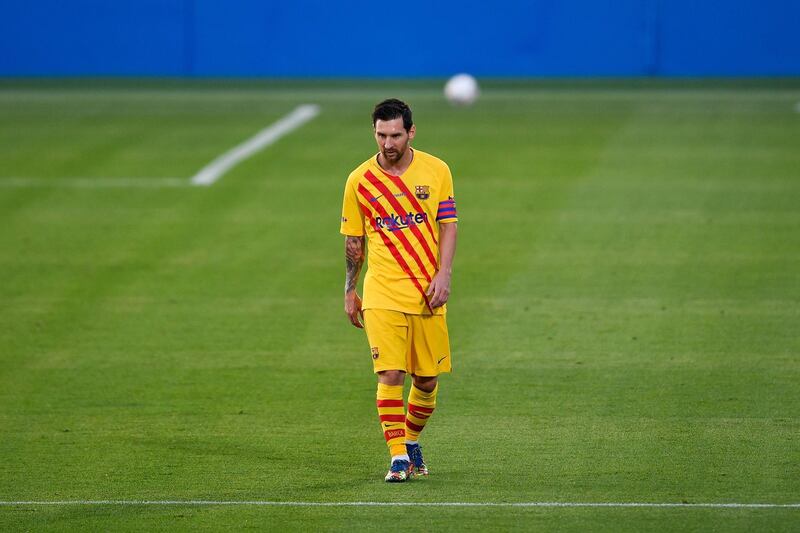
<point x="375" y="353"/>
<point x="422" y="191"/>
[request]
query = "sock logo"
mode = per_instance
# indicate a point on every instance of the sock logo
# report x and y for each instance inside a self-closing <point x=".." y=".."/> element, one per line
<point x="394" y="433"/>
<point x="375" y="353"/>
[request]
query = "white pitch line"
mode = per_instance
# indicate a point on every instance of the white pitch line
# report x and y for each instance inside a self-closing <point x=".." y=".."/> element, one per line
<point x="94" y="183"/>
<point x="407" y="504"/>
<point x="219" y="166"/>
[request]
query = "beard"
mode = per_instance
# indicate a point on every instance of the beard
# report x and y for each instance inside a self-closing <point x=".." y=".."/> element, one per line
<point x="394" y="154"/>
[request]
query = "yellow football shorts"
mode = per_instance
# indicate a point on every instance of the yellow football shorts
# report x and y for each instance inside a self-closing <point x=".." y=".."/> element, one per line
<point x="416" y="344"/>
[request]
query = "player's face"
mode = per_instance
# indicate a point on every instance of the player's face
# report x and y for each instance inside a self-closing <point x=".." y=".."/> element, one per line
<point x="392" y="138"/>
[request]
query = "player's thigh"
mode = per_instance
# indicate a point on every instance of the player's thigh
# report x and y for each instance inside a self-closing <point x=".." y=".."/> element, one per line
<point x="430" y="345"/>
<point x="387" y="333"/>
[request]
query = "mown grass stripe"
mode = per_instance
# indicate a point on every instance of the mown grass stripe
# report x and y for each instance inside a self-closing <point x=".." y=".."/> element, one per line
<point x="95" y="183"/>
<point x="267" y="503"/>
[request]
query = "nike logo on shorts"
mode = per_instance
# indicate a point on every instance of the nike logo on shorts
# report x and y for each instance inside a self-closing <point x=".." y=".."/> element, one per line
<point x="440" y="360"/>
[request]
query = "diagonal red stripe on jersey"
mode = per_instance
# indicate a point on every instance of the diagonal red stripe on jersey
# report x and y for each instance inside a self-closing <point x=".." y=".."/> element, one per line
<point x="411" y="198"/>
<point x="392" y="418"/>
<point x="365" y="210"/>
<point x="399" y="258"/>
<point x="389" y="403"/>
<point x="412" y="426"/>
<point x="400" y="237"/>
<point x="402" y="262"/>
<point x="396" y="254"/>
<point x="399" y="208"/>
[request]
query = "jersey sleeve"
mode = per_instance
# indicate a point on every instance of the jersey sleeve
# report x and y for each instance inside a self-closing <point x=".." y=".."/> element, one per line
<point x="447" y="201"/>
<point x="352" y="219"/>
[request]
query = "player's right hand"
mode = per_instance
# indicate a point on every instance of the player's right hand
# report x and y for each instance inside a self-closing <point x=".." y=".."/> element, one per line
<point x="352" y="308"/>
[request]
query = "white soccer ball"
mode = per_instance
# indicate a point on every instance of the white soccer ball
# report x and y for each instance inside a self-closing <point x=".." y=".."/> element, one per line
<point x="461" y="89"/>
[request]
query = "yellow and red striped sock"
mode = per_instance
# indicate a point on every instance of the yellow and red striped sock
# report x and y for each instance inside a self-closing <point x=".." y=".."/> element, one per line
<point x="420" y="408"/>
<point x="392" y="416"/>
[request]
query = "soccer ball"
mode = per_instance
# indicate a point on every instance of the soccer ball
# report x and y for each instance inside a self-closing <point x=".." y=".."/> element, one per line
<point x="461" y="89"/>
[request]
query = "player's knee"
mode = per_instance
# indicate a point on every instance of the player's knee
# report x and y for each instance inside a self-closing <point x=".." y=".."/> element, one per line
<point x="425" y="383"/>
<point x="392" y="377"/>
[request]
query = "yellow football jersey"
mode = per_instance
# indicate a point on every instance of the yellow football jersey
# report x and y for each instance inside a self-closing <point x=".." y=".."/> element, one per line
<point x="400" y="215"/>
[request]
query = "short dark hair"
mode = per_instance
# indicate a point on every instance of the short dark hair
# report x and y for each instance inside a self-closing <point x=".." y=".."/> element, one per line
<point x="391" y="109"/>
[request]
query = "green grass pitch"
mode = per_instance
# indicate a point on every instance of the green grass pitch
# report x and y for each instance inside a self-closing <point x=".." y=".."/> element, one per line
<point x="625" y="314"/>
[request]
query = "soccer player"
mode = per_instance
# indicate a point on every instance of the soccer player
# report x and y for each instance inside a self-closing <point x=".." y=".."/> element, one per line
<point x="400" y="203"/>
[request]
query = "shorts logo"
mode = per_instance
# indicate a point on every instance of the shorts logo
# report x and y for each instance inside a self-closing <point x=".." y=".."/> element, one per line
<point x="375" y="353"/>
<point x="422" y="191"/>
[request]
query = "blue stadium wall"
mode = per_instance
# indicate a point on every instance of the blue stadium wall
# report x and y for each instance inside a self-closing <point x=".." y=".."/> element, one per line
<point x="314" y="38"/>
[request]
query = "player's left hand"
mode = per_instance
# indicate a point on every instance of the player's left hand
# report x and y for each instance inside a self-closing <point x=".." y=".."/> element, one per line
<point x="352" y="308"/>
<point x="439" y="289"/>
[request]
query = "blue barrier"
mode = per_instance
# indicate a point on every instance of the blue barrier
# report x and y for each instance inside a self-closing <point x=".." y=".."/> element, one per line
<point x="372" y="39"/>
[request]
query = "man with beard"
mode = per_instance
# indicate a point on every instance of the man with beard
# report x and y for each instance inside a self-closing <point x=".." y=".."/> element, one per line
<point x="401" y="202"/>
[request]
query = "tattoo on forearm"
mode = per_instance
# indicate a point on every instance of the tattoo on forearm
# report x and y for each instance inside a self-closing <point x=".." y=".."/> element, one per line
<point x="354" y="255"/>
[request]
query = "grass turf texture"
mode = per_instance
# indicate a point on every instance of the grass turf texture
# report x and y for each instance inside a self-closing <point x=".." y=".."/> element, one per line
<point x="624" y="311"/>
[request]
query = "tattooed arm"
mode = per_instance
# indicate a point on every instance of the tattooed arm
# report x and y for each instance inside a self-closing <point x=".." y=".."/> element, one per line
<point x="354" y="254"/>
